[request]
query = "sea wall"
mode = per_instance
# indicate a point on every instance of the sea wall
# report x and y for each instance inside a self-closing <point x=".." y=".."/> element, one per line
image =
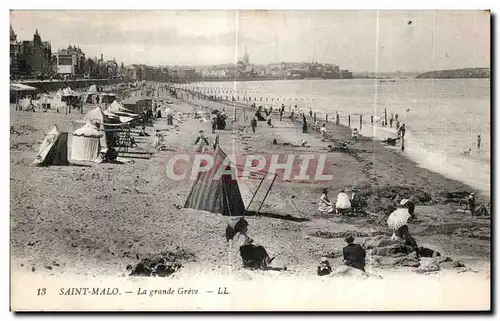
<point x="73" y="84"/>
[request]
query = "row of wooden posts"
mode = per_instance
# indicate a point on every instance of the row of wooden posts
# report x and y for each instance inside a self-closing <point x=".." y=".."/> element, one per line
<point x="337" y="119"/>
<point x="337" y="116"/>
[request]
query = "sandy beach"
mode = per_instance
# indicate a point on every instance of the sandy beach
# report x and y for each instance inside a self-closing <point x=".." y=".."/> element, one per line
<point x="94" y="220"/>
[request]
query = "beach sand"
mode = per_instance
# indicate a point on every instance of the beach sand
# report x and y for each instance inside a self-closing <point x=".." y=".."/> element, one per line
<point x="94" y="220"/>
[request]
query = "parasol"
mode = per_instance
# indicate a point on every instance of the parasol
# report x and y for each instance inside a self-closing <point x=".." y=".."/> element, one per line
<point x="398" y="218"/>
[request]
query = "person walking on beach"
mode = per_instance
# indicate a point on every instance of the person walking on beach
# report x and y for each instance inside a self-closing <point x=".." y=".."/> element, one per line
<point x="310" y="112"/>
<point x="478" y="141"/>
<point x="292" y="116"/>
<point x="402" y="130"/>
<point x="304" y="124"/>
<point x="391" y="120"/>
<point x="214" y="123"/>
<point x="323" y="132"/>
<point x="397" y="116"/>
<point x="253" y="124"/>
<point x="281" y="114"/>
<point x="269" y="121"/>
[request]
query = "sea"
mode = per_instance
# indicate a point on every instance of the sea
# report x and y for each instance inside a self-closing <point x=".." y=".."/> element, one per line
<point x="443" y="117"/>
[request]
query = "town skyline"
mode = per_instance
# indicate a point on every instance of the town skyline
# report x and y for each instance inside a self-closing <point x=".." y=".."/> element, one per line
<point x="396" y="41"/>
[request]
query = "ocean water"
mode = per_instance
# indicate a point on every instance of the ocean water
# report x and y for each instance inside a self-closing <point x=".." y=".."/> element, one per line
<point x="442" y="117"/>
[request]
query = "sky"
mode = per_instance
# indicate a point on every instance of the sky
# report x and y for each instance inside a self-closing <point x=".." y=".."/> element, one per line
<point x="383" y="41"/>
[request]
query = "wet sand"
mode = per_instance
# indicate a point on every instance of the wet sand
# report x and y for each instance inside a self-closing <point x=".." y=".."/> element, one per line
<point x="94" y="220"/>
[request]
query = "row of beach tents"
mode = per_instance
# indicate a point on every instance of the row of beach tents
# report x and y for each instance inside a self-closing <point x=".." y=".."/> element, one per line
<point x="88" y="142"/>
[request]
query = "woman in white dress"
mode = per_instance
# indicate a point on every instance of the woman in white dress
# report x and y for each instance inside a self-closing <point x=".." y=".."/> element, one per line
<point x="325" y="206"/>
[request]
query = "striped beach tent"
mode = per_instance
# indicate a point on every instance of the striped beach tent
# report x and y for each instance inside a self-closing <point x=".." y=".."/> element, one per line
<point x="216" y="194"/>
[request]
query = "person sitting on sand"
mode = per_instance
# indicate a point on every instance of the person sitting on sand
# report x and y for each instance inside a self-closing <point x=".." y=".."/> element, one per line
<point x="324" y="267"/>
<point x="201" y="141"/>
<point x="324" y="205"/>
<point x="343" y="204"/>
<point x="236" y="227"/>
<point x="254" y="256"/>
<point x="355" y="201"/>
<point x="303" y="142"/>
<point x="133" y="142"/>
<point x="471" y="203"/>
<point x="355" y="134"/>
<point x="403" y="234"/>
<point x="13" y="131"/>
<point x="354" y="254"/>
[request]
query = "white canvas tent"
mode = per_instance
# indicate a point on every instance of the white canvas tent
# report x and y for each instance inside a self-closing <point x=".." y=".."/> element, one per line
<point x="86" y="143"/>
<point x="54" y="149"/>
<point x="96" y="116"/>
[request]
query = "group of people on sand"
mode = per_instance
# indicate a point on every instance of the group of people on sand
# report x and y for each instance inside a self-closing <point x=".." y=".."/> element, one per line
<point x="344" y="204"/>
<point x="255" y="256"/>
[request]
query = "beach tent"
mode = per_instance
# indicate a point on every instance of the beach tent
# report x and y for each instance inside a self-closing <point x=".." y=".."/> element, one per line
<point x="96" y="116"/>
<point x="21" y="87"/>
<point x="86" y="143"/>
<point x="53" y="150"/>
<point x="91" y="95"/>
<point x="18" y="91"/>
<point x="216" y="195"/>
<point x="117" y="109"/>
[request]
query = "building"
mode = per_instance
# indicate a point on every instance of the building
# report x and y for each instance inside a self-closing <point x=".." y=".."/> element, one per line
<point x="111" y="69"/>
<point x="70" y="61"/>
<point x="15" y="50"/>
<point x="246" y="58"/>
<point x="35" y="57"/>
<point x="136" y="73"/>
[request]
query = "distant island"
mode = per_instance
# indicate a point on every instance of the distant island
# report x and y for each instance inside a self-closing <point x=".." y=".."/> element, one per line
<point x="457" y="73"/>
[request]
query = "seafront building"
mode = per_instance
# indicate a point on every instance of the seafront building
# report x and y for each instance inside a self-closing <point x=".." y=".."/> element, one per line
<point x="34" y="58"/>
<point x="70" y="61"/>
<point x="29" y="57"/>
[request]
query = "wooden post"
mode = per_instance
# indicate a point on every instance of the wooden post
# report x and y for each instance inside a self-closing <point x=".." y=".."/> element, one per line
<point x="360" y="121"/>
<point x="315" y="118"/>
<point x="235" y="114"/>
<point x="371" y="119"/>
<point x="327" y="118"/>
<point x="349" y="120"/>
<point x="385" y="116"/>
<point x="267" y="193"/>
